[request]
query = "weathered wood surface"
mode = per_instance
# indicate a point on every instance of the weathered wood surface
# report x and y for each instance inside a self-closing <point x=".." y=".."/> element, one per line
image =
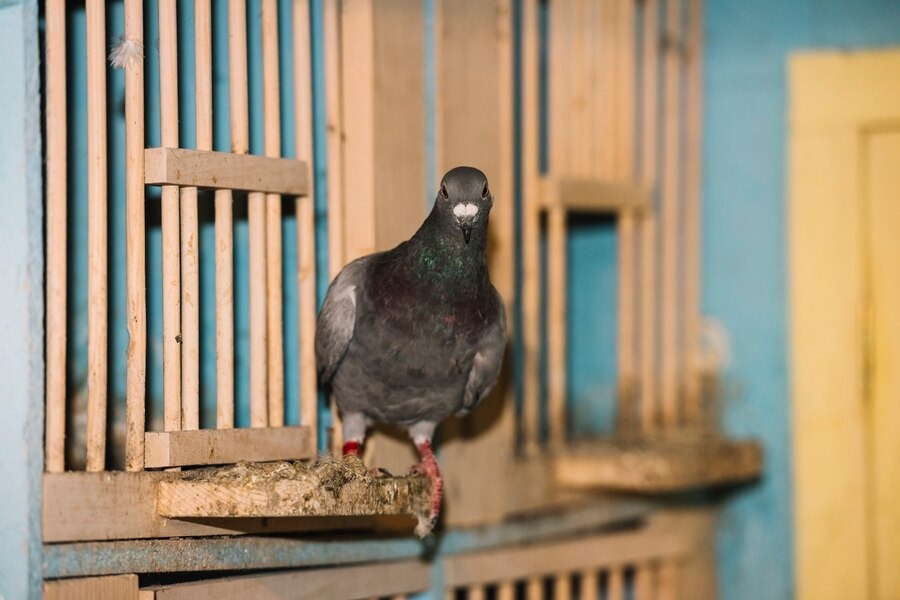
<point x="283" y="489"/>
<point x="223" y="446"/>
<point x="120" y="587"/>
<point x="342" y="583"/>
<point x="659" y="464"/>
<point x="224" y="170"/>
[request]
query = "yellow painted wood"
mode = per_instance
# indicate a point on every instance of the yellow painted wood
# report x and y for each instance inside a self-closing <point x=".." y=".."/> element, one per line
<point x="845" y="286"/>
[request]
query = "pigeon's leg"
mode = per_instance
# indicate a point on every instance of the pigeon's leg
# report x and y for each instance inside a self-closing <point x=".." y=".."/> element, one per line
<point x="421" y="433"/>
<point x="354" y="427"/>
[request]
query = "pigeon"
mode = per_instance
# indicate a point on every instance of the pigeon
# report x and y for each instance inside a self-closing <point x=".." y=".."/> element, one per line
<point x="413" y="335"/>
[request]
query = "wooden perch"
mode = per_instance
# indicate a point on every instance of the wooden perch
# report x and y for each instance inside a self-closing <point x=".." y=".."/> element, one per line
<point x="594" y="195"/>
<point x="659" y="464"/>
<point x="223" y="170"/>
<point x="222" y="446"/>
<point x="331" y="487"/>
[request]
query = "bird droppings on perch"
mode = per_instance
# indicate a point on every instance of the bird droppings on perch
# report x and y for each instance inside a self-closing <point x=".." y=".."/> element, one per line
<point x="329" y="487"/>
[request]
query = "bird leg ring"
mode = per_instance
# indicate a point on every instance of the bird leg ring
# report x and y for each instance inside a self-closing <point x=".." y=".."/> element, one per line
<point x="352" y="448"/>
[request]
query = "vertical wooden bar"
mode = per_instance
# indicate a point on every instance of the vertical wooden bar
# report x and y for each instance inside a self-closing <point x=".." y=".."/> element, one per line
<point x="531" y="260"/>
<point x="590" y="585"/>
<point x="335" y="128"/>
<point x="648" y="222"/>
<point x="506" y="590"/>
<point x="306" y="222"/>
<point x="643" y="582"/>
<point x="476" y="592"/>
<point x="97" y="238"/>
<point x="671" y="366"/>
<point x="692" y="211"/>
<point x="55" y="437"/>
<point x="171" y="257"/>
<point x="534" y="589"/>
<point x="135" y="245"/>
<point x="562" y="589"/>
<point x="578" y="103"/>
<point x="450" y="594"/>
<point x="272" y="131"/>
<point x="615" y="584"/>
<point x="624" y="171"/>
<point x="667" y="580"/>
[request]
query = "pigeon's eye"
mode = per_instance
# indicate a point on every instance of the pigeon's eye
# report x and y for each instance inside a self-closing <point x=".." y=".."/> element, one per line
<point x="444" y="192"/>
<point x="484" y="190"/>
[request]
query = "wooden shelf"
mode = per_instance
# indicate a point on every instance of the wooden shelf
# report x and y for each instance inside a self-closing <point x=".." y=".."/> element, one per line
<point x="593" y="195"/>
<point x="331" y="487"/>
<point x="659" y="464"/>
<point x="225" y="446"/>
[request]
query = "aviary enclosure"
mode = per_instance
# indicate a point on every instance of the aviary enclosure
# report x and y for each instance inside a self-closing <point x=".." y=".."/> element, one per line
<point x="200" y="196"/>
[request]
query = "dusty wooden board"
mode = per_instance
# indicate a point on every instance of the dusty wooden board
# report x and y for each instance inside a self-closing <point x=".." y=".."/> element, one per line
<point x="283" y="489"/>
<point x="594" y="195"/>
<point x="224" y="170"/>
<point x="659" y="464"/>
<point x="340" y="583"/>
<point x="121" y="587"/>
<point x="222" y="446"/>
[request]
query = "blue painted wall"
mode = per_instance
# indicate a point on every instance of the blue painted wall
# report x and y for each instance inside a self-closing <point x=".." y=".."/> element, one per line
<point x="744" y="252"/>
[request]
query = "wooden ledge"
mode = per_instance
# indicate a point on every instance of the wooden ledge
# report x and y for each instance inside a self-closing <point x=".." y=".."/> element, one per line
<point x="223" y="446"/>
<point x="223" y="170"/>
<point x="331" y="487"/>
<point x="659" y="465"/>
<point x="594" y="195"/>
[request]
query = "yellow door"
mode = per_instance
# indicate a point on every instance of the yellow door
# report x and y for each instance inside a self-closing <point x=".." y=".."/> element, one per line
<point x="845" y="323"/>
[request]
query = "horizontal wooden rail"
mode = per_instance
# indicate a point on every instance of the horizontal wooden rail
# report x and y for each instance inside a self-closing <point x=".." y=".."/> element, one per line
<point x="594" y="195"/>
<point x="224" y="170"/>
<point x="221" y="446"/>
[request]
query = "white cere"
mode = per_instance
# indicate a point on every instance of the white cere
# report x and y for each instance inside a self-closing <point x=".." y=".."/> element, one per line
<point x="465" y="210"/>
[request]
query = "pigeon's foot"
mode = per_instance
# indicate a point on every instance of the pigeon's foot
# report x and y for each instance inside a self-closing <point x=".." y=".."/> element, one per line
<point x="352" y="448"/>
<point x="429" y="468"/>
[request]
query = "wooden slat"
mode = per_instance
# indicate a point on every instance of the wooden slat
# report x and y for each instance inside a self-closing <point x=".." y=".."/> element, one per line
<point x="274" y="284"/>
<point x="259" y="359"/>
<point x="292" y="490"/>
<point x="523" y="562"/>
<point x="556" y="317"/>
<point x="476" y="592"/>
<point x="692" y="211"/>
<point x="644" y="581"/>
<point x="56" y="171"/>
<point x="530" y="240"/>
<point x="658" y="464"/>
<point x="135" y="246"/>
<point x="615" y="584"/>
<point x="171" y="255"/>
<point x="97" y="236"/>
<point x="648" y="222"/>
<point x="590" y="585"/>
<point x="594" y="195"/>
<point x="534" y="589"/>
<point x="221" y="446"/>
<point x="127" y="502"/>
<point x="562" y="589"/>
<point x="671" y="365"/>
<point x="506" y="590"/>
<point x="306" y="223"/>
<point x="667" y="580"/>
<point x="334" y="116"/>
<point x="340" y="583"/>
<point x="120" y="587"/>
<point x="224" y="170"/>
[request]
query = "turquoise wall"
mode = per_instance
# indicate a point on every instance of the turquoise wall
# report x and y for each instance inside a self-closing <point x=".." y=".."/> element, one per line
<point x="744" y="249"/>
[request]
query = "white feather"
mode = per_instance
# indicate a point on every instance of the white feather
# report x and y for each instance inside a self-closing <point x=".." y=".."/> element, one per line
<point x="125" y="53"/>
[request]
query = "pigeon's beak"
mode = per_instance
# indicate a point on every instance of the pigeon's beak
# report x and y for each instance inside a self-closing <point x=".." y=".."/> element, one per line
<point x="466" y="226"/>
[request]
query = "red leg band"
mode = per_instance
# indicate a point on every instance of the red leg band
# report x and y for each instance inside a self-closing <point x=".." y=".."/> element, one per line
<point x="351" y="448"/>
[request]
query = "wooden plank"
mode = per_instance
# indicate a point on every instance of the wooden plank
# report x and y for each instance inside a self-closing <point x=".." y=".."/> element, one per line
<point x="562" y="586"/>
<point x="120" y="587"/>
<point x="135" y="246"/>
<point x="220" y="446"/>
<point x="171" y="255"/>
<point x="224" y="170"/>
<point x="643" y="581"/>
<point x="590" y="586"/>
<point x="534" y="589"/>
<point x="659" y="464"/>
<point x="339" y="583"/>
<point x="667" y="580"/>
<point x="530" y="234"/>
<point x="334" y="117"/>
<point x="224" y="310"/>
<point x="556" y="325"/>
<point x="692" y="212"/>
<point x="671" y="365"/>
<point x="648" y="221"/>
<point x="594" y="195"/>
<point x="331" y="488"/>
<point x="476" y="592"/>
<point x="117" y="505"/>
<point x="274" y="283"/>
<point x="596" y="551"/>
<point x="97" y="237"/>
<point x="506" y="590"/>
<point x="259" y="334"/>
<point x="56" y="170"/>
<point x="306" y="223"/>
<point x="615" y="584"/>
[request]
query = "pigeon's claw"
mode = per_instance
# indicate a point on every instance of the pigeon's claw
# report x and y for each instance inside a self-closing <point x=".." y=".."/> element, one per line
<point x="429" y="468"/>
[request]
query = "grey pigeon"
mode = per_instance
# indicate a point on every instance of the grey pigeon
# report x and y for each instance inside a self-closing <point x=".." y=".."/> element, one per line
<point x="416" y="334"/>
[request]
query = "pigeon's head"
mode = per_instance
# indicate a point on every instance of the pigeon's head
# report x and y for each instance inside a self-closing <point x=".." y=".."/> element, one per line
<point x="465" y="199"/>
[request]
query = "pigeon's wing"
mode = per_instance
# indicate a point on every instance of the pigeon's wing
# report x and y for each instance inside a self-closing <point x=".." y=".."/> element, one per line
<point x="487" y="362"/>
<point x="337" y="321"/>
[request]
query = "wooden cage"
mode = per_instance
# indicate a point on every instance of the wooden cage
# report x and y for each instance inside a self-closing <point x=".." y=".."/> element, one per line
<point x="246" y="164"/>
